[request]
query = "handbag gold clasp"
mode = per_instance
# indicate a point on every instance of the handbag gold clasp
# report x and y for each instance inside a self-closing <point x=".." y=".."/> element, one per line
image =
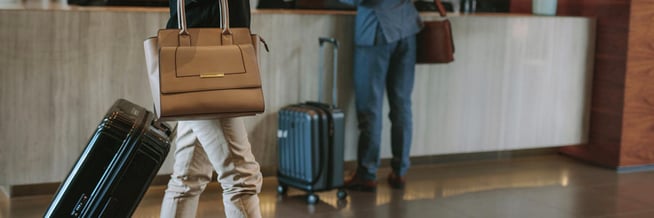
<point x="212" y="75"/>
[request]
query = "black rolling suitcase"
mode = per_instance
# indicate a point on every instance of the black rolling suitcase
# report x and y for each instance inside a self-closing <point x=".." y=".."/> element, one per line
<point x="310" y="142"/>
<point x="116" y="167"/>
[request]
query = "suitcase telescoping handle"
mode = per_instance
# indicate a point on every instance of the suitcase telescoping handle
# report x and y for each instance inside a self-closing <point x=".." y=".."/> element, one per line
<point x="321" y="68"/>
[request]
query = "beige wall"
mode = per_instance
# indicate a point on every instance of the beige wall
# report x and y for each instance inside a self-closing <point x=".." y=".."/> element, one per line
<point x="518" y="82"/>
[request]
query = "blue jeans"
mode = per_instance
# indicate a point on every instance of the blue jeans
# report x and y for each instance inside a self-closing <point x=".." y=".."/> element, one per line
<point x="383" y="67"/>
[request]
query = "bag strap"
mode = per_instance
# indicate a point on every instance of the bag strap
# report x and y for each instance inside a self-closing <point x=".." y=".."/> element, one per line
<point x="224" y="17"/>
<point x="441" y="8"/>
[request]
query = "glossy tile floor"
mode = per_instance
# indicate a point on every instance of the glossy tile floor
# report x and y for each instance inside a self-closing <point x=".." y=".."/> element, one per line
<point x="547" y="186"/>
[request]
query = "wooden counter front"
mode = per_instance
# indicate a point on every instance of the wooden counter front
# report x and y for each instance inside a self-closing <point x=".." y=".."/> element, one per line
<point x="518" y="82"/>
<point x="620" y="134"/>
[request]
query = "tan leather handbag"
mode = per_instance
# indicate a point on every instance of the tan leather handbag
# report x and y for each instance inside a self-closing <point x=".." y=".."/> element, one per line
<point x="204" y="73"/>
<point x="435" y="44"/>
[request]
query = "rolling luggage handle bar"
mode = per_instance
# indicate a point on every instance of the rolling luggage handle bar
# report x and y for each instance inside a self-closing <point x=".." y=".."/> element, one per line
<point x="321" y="68"/>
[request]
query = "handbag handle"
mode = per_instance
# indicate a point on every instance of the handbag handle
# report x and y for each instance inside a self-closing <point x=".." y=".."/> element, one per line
<point x="441" y="8"/>
<point x="224" y="17"/>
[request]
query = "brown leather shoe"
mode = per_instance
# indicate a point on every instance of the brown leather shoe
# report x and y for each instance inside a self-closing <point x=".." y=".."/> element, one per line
<point x="395" y="181"/>
<point x="358" y="183"/>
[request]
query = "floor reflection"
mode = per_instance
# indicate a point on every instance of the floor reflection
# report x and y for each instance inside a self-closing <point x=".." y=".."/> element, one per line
<point x="544" y="186"/>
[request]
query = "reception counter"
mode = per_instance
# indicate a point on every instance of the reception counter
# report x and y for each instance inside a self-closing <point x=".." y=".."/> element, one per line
<point x="518" y="82"/>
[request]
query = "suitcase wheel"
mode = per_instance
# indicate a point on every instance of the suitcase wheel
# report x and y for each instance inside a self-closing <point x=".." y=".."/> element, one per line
<point x="341" y="194"/>
<point x="312" y="198"/>
<point x="282" y="189"/>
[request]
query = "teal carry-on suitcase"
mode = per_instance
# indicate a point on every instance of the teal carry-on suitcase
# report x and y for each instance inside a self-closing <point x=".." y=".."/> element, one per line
<point x="310" y="140"/>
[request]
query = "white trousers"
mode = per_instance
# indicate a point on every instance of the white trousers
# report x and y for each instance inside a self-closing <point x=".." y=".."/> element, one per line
<point x="224" y="145"/>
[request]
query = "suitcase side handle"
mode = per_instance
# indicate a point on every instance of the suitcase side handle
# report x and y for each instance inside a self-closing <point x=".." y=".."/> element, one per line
<point x="333" y="41"/>
<point x="321" y="68"/>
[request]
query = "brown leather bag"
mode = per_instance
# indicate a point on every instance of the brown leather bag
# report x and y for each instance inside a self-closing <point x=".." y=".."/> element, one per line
<point x="204" y="73"/>
<point x="435" y="44"/>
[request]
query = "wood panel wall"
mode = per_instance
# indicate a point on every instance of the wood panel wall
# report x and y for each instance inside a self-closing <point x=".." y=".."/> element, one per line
<point x="622" y="113"/>
<point x="638" y="124"/>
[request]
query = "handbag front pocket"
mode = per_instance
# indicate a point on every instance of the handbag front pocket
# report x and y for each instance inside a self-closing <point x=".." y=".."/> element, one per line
<point x="208" y="61"/>
<point x="206" y="68"/>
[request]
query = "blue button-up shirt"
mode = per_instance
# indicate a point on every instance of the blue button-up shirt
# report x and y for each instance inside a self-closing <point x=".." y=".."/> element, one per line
<point x="396" y="19"/>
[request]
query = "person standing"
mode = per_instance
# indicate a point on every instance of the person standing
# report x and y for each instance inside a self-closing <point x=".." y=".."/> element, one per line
<point x="384" y="60"/>
<point x="206" y="145"/>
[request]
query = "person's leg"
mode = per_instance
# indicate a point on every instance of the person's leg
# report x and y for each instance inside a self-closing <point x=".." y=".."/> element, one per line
<point x="229" y="151"/>
<point x="370" y="69"/>
<point x="399" y="87"/>
<point x="191" y="173"/>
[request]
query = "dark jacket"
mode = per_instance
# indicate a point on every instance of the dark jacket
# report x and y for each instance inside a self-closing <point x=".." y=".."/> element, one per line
<point x="206" y="13"/>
